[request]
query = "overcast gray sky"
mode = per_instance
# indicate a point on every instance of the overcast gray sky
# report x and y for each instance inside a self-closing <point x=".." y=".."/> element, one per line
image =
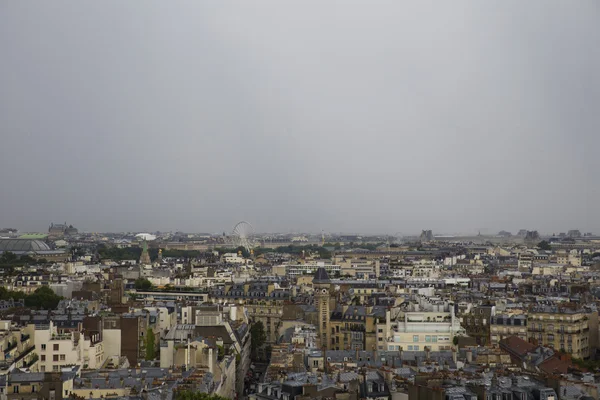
<point x="355" y="116"/>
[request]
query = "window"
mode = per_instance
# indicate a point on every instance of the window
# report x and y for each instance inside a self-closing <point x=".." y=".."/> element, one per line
<point x="380" y="330"/>
<point x="416" y="348"/>
<point x="43" y="357"/>
<point x="16" y="389"/>
<point x="55" y="368"/>
<point x="410" y="347"/>
<point x="55" y="357"/>
<point x="62" y="357"/>
<point x="416" y="338"/>
<point x="43" y="347"/>
<point x="56" y="347"/>
<point x="428" y="338"/>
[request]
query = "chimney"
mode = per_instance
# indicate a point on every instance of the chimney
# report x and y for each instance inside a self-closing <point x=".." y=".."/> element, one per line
<point x="454" y="355"/>
<point x="388" y="323"/>
<point x="469" y="356"/>
<point x="401" y="359"/>
<point x="427" y="351"/>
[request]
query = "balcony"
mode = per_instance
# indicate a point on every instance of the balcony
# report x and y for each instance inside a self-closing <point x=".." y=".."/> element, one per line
<point x="33" y="360"/>
<point x="10" y="347"/>
<point x="568" y="331"/>
<point x="61" y="336"/>
<point x="536" y="329"/>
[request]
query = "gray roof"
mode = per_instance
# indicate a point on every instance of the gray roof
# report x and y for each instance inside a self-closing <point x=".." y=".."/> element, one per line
<point x="26" y="377"/>
<point x="23" y="245"/>
<point x="321" y="276"/>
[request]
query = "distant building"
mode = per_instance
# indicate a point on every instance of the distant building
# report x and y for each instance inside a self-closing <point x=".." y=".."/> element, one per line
<point x="60" y="230"/>
<point x="532" y="236"/>
<point x="145" y="257"/>
<point x="426" y="236"/>
<point x="33" y="248"/>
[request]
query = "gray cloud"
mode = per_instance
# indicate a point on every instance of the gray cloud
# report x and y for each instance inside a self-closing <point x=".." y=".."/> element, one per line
<point x="345" y="116"/>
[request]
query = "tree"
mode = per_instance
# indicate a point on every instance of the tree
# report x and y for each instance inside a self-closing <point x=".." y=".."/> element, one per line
<point x="8" y="257"/>
<point x="244" y="251"/>
<point x="43" y="298"/>
<point x="150" y="343"/>
<point x="258" y="337"/>
<point x="191" y="395"/>
<point x="143" y="284"/>
<point x="221" y="351"/>
<point x="544" y="245"/>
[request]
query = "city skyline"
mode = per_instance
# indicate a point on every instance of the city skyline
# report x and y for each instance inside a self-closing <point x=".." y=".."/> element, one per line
<point x="291" y="231"/>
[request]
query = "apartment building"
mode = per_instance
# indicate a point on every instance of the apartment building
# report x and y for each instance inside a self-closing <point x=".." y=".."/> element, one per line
<point x="57" y="349"/>
<point x="417" y="330"/>
<point x="563" y="328"/>
<point x="263" y="301"/>
<point x="16" y="346"/>
<point x="429" y="322"/>
<point x="503" y="326"/>
<point x="354" y="327"/>
<point x="360" y="268"/>
<point x="308" y="268"/>
<point x="477" y="323"/>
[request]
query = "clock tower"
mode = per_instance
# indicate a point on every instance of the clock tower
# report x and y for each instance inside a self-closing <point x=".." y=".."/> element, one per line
<point x="322" y="285"/>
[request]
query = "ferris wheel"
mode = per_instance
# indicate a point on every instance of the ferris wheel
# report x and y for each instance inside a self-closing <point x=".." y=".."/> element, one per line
<point x="399" y="236"/>
<point x="242" y="235"/>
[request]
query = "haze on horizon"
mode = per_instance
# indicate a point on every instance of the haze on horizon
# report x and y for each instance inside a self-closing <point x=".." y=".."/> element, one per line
<point x="345" y="116"/>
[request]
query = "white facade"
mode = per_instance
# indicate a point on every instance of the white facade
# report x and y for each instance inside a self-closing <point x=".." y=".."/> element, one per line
<point x="56" y="350"/>
<point x="232" y="258"/>
<point x="413" y="331"/>
<point x="111" y="339"/>
<point x="311" y="268"/>
<point x="59" y="350"/>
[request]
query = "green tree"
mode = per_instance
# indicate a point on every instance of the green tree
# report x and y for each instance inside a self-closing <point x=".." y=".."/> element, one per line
<point x="221" y="354"/>
<point x="150" y="345"/>
<point x="8" y="257"/>
<point x="43" y="298"/>
<point x="258" y="337"/>
<point x="544" y="245"/>
<point x="143" y="284"/>
<point x="191" y="395"/>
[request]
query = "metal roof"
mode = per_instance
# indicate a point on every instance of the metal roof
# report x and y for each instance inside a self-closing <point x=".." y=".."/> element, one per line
<point x="23" y="245"/>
